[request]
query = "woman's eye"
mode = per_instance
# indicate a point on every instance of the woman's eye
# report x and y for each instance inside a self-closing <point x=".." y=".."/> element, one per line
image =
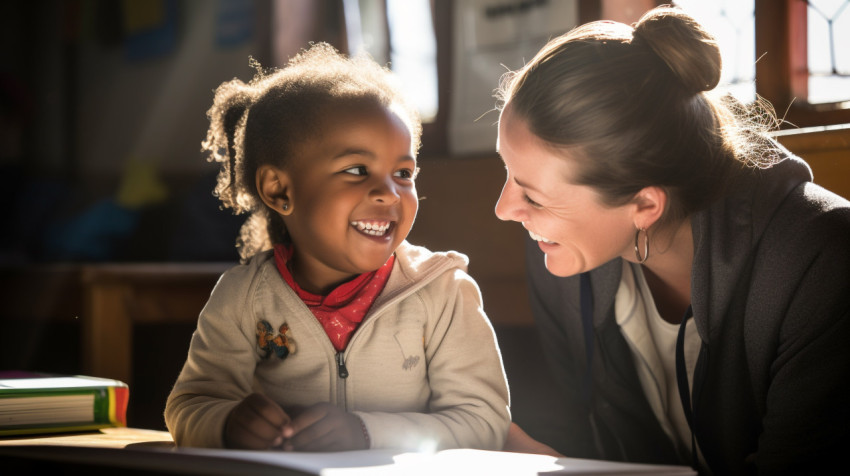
<point x="530" y="201"/>
<point x="357" y="170"/>
<point x="407" y="173"/>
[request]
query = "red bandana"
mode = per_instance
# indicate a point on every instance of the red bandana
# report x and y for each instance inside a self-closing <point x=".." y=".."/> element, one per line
<point x="342" y="310"/>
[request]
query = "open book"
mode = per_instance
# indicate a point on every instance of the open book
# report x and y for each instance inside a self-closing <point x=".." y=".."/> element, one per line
<point x="46" y="403"/>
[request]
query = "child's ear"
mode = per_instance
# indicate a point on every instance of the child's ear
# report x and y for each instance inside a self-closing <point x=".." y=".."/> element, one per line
<point x="273" y="185"/>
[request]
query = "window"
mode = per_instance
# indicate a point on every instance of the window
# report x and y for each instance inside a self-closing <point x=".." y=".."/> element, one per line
<point x="786" y="51"/>
<point x="788" y="76"/>
<point x="799" y="68"/>
<point x="413" y="52"/>
<point x="402" y="36"/>
<point x="827" y="27"/>
<point x="732" y="22"/>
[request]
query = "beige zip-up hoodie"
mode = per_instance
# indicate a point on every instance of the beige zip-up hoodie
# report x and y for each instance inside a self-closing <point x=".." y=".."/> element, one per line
<point x="423" y="368"/>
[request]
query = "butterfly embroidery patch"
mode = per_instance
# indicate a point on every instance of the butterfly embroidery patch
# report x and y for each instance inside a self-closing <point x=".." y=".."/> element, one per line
<point x="281" y="343"/>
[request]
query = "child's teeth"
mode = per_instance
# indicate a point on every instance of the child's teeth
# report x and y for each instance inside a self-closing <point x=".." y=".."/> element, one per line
<point x="375" y="229"/>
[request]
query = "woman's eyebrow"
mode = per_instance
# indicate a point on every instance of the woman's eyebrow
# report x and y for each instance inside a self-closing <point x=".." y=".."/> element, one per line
<point x="528" y="186"/>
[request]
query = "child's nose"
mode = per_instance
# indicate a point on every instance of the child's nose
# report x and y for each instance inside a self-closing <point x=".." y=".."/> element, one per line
<point x="385" y="191"/>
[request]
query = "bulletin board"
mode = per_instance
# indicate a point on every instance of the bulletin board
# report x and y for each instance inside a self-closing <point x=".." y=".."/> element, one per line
<point x="491" y="37"/>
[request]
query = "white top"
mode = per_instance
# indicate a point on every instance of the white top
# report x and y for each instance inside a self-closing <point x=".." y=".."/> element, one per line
<point x="652" y="341"/>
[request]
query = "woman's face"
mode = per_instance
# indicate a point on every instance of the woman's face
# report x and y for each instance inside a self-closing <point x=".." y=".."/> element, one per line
<point x="572" y="227"/>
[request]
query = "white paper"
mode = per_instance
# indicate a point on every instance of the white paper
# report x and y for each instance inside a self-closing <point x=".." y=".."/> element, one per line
<point x="441" y="463"/>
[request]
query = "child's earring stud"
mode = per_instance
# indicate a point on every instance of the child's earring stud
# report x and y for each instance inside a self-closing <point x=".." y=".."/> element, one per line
<point x="285" y="206"/>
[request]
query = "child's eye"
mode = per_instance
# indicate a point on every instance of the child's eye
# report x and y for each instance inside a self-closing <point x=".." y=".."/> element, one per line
<point x="407" y="173"/>
<point x="356" y="170"/>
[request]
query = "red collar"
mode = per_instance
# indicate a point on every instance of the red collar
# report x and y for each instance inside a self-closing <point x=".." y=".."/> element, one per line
<point x="340" y="311"/>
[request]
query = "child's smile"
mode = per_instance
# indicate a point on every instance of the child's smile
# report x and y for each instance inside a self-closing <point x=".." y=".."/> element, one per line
<point x="373" y="228"/>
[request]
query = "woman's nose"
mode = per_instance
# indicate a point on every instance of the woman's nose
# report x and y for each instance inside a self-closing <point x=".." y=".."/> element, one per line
<point x="508" y="207"/>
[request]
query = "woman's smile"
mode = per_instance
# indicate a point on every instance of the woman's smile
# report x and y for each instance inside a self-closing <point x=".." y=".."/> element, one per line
<point x="540" y="238"/>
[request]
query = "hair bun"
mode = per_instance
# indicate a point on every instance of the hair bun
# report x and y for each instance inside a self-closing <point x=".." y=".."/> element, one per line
<point x="684" y="45"/>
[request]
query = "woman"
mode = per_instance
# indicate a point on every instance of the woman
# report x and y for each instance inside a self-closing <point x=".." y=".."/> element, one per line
<point x="689" y="280"/>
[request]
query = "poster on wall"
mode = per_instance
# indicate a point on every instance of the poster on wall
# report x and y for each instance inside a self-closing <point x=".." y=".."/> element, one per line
<point x="490" y="38"/>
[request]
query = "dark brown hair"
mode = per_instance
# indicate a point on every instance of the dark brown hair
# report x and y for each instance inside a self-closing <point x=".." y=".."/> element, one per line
<point x="264" y="120"/>
<point x="631" y="104"/>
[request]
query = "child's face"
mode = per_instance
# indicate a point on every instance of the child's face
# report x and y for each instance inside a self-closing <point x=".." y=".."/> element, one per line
<point x="352" y="194"/>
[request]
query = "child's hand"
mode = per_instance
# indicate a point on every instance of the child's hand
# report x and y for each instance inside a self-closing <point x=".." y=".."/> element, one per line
<point x="324" y="427"/>
<point x="256" y="423"/>
<point x="518" y="441"/>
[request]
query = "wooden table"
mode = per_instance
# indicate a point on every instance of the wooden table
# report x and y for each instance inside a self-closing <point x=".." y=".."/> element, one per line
<point x="114" y="451"/>
<point x="105" y="438"/>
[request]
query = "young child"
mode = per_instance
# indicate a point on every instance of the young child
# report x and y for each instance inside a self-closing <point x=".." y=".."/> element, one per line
<point x="334" y="333"/>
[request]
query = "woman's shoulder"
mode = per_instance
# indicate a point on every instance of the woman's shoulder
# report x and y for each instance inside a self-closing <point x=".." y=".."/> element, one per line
<point x="778" y="204"/>
<point x="810" y="205"/>
<point x="811" y="222"/>
<point x="820" y="215"/>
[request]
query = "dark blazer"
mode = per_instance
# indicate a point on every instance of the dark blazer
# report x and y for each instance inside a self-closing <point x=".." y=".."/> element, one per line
<point x="770" y="293"/>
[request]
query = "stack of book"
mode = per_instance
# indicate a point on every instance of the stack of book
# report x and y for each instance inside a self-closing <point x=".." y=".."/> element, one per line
<point x="33" y="403"/>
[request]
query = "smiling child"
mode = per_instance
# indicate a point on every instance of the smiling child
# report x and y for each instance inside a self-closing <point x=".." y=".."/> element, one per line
<point x="334" y="333"/>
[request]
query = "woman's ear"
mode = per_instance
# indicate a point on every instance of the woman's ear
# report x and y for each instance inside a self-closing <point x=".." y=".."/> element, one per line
<point x="650" y="203"/>
<point x="273" y="185"/>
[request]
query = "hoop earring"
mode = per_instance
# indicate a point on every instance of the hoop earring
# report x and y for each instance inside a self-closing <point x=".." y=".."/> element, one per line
<point x="645" y="245"/>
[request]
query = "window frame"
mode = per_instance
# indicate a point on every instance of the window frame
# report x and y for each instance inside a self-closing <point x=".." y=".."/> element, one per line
<point x="435" y="133"/>
<point x="782" y="66"/>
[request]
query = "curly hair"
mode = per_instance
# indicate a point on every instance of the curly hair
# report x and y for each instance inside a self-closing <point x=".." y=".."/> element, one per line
<point x="635" y="106"/>
<point x="262" y="121"/>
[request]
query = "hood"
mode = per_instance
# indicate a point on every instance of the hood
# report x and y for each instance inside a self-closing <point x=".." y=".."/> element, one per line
<point x="415" y="267"/>
<point x="727" y="233"/>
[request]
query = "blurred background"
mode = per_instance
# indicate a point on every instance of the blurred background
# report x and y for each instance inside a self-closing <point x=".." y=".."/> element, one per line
<point x="113" y="240"/>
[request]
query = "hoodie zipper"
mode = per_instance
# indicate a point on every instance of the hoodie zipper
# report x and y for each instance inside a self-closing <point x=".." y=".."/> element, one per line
<point x="342" y="370"/>
<point x="394" y="297"/>
<point x="342" y="373"/>
<point x="340" y="365"/>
